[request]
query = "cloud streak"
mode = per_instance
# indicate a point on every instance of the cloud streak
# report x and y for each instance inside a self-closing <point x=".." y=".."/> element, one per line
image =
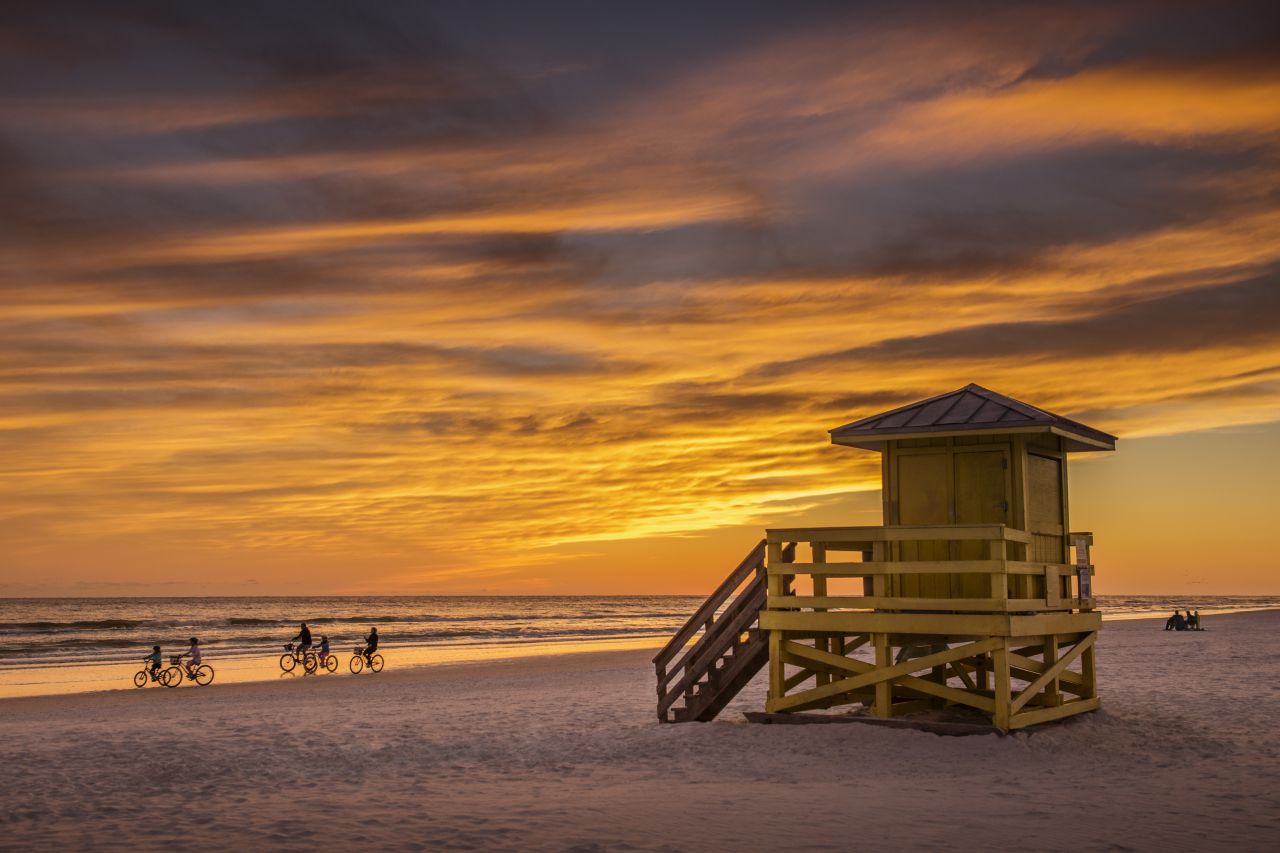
<point x="344" y="283"/>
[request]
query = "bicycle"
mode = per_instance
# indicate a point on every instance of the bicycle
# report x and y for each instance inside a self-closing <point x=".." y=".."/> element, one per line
<point x="144" y="675"/>
<point x="201" y="675"/>
<point x="358" y="661"/>
<point x="328" y="663"/>
<point x="173" y="675"/>
<point x="294" y="656"/>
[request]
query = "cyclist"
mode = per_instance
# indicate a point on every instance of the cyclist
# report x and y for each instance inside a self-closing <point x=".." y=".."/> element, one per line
<point x="324" y="649"/>
<point x="194" y="654"/>
<point x="155" y="659"/>
<point x="372" y="645"/>
<point x="304" y="639"/>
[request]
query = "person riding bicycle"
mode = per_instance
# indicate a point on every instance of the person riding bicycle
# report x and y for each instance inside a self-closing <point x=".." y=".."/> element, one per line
<point x="155" y="658"/>
<point x="193" y="653"/>
<point x="304" y="639"/>
<point x="371" y="644"/>
<point x="324" y="649"/>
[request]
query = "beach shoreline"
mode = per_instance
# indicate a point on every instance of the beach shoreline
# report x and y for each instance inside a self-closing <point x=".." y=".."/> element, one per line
<point x="558" y="752"/>
<point x="57" y="678"/>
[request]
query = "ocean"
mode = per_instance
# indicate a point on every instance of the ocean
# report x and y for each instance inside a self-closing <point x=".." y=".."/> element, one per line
<point x="50" y="632"/>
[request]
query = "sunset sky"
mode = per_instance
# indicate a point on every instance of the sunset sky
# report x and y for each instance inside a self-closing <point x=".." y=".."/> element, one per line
<point x="412" y="298"/>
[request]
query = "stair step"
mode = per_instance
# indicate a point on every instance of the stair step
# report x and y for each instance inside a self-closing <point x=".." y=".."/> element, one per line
<point x="725" y="662"/>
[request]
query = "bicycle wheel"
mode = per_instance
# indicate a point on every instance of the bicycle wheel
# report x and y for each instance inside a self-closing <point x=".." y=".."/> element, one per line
<point x="357" y="663"/>
<point x="163" y="677"/>
<point x="203" y="674"/>
<point x="331" y="663"/>
<point x="375" y="663"/>
<point x="140" y="678"/>
<point x="173" y="676"/>
<point x="287" y="663"/>
<point x="309" y="663"/>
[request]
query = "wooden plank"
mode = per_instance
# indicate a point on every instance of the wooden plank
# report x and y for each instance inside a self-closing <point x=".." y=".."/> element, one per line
<point x="1035" y="668"/>
<point x="1054" y="623"/>
<point x="798" y="678"/>
<point x="885" y="674"/>
<point x="962" y="672"/>
<point x="872" y="602"/>
<point x="712" y="604"/>
<point x="1000" y="672"/>
<point x="1051" y="671"/>
<point x="1044" y="715"/>
<point x="898" y="533"/>
<point x="937" y="727"/>
<point x="898" y="567"/>
<point x="883" y="703"/>
<point x="804" y="654"/>
<point x="1033" y="567"/>
<point x="950" y="624"/>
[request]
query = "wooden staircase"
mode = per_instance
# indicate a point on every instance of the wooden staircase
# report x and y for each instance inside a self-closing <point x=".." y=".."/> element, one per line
<point x="708" y="673"/>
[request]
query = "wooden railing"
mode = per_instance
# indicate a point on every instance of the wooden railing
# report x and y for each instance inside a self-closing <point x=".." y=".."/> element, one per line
<point x="731" y="610"/>
<point x="1001" y="580"/>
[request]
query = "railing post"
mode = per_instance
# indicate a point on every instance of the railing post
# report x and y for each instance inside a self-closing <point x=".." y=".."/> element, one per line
<point x="999" y="582"/>
<point x="775" y="587"/>
<point x="822" y="644"/>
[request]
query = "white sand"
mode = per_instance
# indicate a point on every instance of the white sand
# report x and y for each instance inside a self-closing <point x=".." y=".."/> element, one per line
<point x="564" y="753"/>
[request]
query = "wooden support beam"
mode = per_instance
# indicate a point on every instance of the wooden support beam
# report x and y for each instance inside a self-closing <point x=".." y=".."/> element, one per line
<point x="1000" y="673"/>
<point x="885" y="675"/>
<point x="1051" y="671"/>
<point x="962" y="672"/>
<point x="1089" y="673"/>
<point x="798" y="678"/>
<point x="1029" y="670"/>
<point x="883" y="705"/>
<point x="1044" y="715"/>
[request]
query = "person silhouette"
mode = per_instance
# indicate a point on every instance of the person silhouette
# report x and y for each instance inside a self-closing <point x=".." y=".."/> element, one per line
<point x="304" y="638"/>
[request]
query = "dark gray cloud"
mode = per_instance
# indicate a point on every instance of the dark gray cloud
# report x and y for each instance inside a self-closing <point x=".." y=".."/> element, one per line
<point x="1239" y="314"/>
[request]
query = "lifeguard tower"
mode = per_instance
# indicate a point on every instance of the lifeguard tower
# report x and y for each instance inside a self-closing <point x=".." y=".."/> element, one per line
<point x="968" y="596"/>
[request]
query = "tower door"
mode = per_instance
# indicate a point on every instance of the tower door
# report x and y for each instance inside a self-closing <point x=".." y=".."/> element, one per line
<point x="1045" y="516"/>
<point x="982" y="487"/>
<point x="983" y="495"/>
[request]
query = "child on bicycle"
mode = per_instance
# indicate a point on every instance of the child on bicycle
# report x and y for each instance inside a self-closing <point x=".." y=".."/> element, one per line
<point x="194" y="654"/>
<point x="324" y="649"/>
<point x="155" y="659"/>
<point x="372" y="641"/>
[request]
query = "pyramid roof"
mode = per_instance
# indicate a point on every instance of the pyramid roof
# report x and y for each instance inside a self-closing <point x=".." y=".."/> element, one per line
<point x="967" y="410"/>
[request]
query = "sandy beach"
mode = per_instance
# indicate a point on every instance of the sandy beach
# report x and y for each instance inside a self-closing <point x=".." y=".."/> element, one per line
<point x="562" y="752"/>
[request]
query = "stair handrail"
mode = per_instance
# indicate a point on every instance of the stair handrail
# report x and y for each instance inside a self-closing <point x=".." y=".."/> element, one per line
<point x="710" y="646"/>
<point x="709" y="607"/>
<point x="720" y="633"/>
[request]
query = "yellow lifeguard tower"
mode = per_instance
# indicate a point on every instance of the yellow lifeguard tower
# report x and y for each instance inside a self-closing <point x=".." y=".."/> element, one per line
<point x="967" y="596"/>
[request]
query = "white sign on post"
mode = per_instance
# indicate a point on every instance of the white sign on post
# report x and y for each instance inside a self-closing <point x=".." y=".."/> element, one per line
<point x="1084" y="577"/>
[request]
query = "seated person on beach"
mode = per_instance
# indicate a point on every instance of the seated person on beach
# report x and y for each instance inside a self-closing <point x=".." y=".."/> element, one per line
<point x="1193" y="621"/>
<point x="193" y="653"/>
<point x="372" y="641"/>
<point x="155" y="659"/>
<point x="1199" y="627"/>
<point x="304" y="638"/>
<point x="324" y="648"/>
<point x="1176" y="622"/>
